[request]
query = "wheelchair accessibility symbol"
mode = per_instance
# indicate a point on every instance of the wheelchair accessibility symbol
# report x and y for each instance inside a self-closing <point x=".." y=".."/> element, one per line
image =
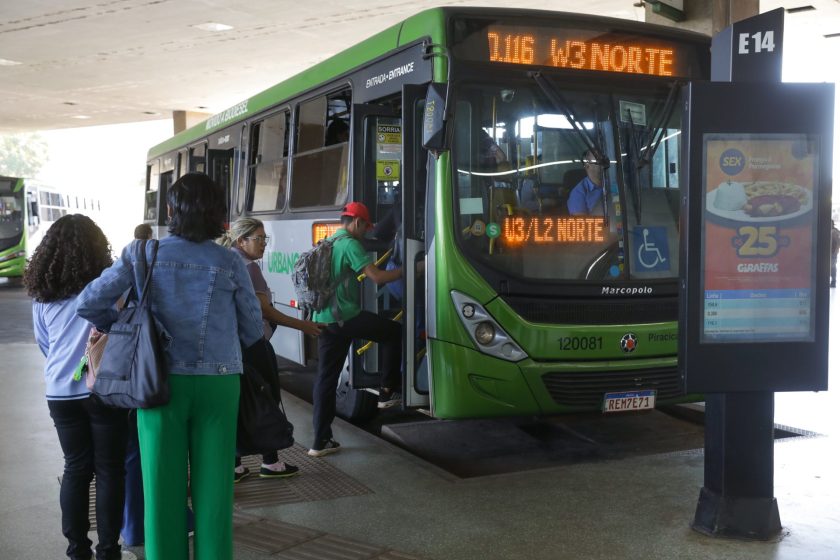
<point x="652" y="249"/>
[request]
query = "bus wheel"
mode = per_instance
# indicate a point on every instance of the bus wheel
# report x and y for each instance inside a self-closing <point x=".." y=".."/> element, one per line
<point x="351" y="404"/>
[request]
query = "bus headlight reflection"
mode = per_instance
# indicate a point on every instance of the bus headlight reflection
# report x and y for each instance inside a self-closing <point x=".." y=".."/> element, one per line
<point x="485" y="333"/>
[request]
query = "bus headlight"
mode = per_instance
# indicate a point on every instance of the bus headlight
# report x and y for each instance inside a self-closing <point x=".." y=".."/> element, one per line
<point x="487" y="335"/>
<point x="484" y="333"/>
<point x="11" y="256"/>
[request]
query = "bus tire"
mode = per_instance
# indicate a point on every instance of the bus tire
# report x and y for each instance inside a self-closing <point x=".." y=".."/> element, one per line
<point x="352" y="404"/>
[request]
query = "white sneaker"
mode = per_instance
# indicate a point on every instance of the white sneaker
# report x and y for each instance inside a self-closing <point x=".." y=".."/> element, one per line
<point x="331" y="446"/>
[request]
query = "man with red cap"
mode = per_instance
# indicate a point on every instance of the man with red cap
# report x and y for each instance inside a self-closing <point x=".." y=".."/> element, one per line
<point x="349" y="259"/>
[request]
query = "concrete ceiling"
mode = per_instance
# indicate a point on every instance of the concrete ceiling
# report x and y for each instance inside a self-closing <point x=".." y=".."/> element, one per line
<point x="70" y="63"/>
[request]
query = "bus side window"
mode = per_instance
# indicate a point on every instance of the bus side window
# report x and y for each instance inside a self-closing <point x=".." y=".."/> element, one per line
<point x="182" y="163"/>
<point x="152" y="182"/>
<point x="268" y="163"/>
<point x="198" y="158"/>
<point x="320" y="161"/>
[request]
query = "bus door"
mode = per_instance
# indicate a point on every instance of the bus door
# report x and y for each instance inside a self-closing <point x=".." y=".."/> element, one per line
<point x="412" y="241"/>
<point x="167" y="177"/>
<point x="158" y="182"/>
<point x="376" y="182"/>
<point x="384" y="178"/>
<point x="222" y="155"/>
<point x="151" y="212"/>
<point x="198" y="157"/>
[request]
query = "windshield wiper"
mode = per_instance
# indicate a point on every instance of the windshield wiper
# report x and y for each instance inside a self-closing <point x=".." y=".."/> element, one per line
<point x="637" y="179"/>
<point x="563" y="106"/>
<point x="560" y="103"/>
<point x="646" y="154"/>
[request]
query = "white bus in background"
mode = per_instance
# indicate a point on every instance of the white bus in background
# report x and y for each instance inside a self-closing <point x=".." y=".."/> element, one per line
<point x="51" y="203"/>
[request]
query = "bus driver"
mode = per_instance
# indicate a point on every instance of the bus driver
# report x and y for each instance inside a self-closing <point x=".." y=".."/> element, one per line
<point x="587" y="196"/>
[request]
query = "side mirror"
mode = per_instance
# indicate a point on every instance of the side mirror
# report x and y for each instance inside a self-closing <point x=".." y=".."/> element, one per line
<point x="434" y="119"/>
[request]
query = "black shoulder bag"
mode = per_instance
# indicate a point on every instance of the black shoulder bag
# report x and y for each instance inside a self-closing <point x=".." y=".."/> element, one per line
<point x="262" y="425"/>
<point x="132" y="373"/>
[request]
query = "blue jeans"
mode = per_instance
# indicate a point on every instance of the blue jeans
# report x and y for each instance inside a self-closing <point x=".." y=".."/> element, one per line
<point x="92" y="437"/>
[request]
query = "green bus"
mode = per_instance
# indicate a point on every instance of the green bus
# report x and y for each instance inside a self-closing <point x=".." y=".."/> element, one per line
<point x="14" y="222"/>
<point x="476" y="128"/>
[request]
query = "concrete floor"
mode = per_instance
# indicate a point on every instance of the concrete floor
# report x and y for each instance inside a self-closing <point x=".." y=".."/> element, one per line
<point x="635" y="508"/>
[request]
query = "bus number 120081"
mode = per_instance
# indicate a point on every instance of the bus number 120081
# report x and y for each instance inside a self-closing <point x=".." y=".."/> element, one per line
<point x="581" y="343"/>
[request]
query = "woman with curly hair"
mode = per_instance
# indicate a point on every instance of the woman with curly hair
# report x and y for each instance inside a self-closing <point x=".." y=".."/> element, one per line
<point x="74" y="251"/>
<point x="203" y="298"/>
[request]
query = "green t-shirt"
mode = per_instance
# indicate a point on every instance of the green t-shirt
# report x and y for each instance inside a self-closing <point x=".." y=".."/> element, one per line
<point x="348" y="258"/>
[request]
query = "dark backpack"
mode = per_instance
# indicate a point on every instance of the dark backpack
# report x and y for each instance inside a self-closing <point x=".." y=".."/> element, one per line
<point x="312" y="277"/>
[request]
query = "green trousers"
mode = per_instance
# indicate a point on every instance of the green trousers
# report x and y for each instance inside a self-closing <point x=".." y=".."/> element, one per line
<point x="198" y="426"/>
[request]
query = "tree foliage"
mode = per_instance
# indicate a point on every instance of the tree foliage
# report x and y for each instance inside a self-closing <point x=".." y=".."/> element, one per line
<point x="22" y="155"/>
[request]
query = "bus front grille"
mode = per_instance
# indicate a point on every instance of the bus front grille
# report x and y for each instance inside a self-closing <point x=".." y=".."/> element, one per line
<point x="594" y="312"/>
<point x="585" y="390"/>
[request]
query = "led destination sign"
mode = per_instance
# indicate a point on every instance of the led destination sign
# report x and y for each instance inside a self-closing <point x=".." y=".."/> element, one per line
<point x="546" y="50"/>
<point x="579" y="48"/>
<point x="543" y="231"/>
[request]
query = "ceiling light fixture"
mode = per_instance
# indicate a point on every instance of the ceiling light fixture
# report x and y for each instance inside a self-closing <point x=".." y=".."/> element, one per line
<point x="80" y="117"/>
<point x="213" y="26"/>
<point x="7" y="62"/>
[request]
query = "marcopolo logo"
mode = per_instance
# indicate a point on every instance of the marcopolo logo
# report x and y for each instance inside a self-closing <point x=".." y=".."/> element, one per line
<point x="732" y="161"/>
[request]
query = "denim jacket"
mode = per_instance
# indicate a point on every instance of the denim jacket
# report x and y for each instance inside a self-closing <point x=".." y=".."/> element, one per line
<point x="201" y="294"/>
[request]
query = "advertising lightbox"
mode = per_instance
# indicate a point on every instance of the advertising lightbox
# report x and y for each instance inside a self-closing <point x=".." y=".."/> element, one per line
<point x="754" y="237"/>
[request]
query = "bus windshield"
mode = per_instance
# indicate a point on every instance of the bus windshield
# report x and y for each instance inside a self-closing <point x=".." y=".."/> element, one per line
<point x="579" y="185"/>
<point x="11" y="214"/>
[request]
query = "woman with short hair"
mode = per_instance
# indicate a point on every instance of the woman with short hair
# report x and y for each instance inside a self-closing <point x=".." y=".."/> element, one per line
<point x="74" y="251"/>
<point x="203" y="298"/>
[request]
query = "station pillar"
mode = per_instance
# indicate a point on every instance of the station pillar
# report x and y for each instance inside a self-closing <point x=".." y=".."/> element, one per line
<point x="182" y="120"/>
<point x="737" y="495"/>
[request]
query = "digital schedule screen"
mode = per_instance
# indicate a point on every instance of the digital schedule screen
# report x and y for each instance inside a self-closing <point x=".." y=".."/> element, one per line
<point x="578" y="48"/>
<point x="758" y="241"/>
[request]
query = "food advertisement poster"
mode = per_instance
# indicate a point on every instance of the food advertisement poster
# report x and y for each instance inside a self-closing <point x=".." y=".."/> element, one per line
<point x="758" y="239"/>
